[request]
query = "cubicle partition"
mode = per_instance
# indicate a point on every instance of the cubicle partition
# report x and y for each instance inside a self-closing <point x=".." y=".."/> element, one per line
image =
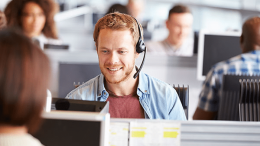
<point x="132" y="132"/>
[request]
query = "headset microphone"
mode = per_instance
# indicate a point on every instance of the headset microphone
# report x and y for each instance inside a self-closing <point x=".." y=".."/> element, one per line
<point x="140" y="47"/>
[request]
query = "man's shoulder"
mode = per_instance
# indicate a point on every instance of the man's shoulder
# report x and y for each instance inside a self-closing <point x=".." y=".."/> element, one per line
<point x="228" y="62"/>
<point x="158" y="85"/>
<point x="85" y="88"/>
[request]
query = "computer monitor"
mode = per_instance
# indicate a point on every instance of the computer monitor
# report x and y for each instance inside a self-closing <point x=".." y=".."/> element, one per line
<point x="67" y="128"/>
<point x="70" y="73"/>
<point x="77" y="105"/>
<point x="215" y="47"/>
<point x="56" y="46"/>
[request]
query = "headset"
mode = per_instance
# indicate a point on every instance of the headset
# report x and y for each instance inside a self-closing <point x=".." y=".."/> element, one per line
<point x="140" y="47"/>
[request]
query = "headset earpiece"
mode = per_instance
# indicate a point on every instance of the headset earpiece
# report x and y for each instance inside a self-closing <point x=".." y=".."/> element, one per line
<point x="140" y="46"/>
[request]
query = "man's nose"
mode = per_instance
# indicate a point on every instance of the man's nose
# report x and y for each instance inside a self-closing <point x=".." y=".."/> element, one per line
<point x="113" y="58"/>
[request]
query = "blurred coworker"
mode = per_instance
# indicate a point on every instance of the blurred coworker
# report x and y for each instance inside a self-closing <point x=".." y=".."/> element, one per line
<point x="178" y="42"/>
<point x="35" y="18"/>
<point x="117" y="8"/>
<point x="2" y="20"/>
<point x="116" y="36"/>
<point x="23" y="79"/>
<point x="135" y="8"/>
<point x="246" y="63"/>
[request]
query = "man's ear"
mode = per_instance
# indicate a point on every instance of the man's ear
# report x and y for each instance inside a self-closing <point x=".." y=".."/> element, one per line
<point x="136" y="55"/>
<point x="241" y="39"/>
<point x="242" y="42"/>
<point x="96" y="46"/>
<point x="167" y="23"/>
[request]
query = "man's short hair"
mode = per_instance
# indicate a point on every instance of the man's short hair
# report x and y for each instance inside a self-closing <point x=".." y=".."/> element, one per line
<point x="117" y="21"/>
<point x="24" y="77"/>
<point x="179" y="9"/>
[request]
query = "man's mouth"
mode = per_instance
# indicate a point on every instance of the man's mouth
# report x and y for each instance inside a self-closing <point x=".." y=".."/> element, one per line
<point x="114" y="69"/>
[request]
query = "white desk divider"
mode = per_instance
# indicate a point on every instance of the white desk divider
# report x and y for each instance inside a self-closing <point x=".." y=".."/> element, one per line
<point x="191" y="133"/>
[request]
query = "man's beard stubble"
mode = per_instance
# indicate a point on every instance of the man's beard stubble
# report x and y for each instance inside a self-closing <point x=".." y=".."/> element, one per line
<point x="126" y="75"/>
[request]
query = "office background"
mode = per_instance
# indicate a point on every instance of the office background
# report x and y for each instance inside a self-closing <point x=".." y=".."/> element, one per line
<point x="75" y="23"/>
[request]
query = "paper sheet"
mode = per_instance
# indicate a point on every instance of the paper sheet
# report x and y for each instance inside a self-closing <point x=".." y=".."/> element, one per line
<point x="118" y="134"/>
<point x="154" y="134"/>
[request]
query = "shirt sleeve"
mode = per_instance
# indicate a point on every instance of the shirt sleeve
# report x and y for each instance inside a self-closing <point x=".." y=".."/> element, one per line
<point x="209" y="95"/>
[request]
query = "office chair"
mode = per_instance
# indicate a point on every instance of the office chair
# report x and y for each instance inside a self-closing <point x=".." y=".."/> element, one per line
<point x="229" y="100"/>
<point x="249" y="101"/>
<point x="183" y="93"/>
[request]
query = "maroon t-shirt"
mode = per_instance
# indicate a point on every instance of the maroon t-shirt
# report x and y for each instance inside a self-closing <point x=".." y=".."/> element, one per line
<point x="125" y="106"/>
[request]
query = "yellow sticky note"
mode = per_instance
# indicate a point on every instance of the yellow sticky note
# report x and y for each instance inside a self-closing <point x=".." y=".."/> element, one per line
<point x="113" y="133"/>
<point x="170" y="134"/>
<point x="138" y="134"/>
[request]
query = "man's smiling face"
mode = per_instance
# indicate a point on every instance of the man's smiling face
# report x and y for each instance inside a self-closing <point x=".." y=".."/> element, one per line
<point x="116" y="53"/>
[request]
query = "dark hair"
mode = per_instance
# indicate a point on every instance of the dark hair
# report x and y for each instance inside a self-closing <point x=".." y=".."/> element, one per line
<point x="117" y="8"/>
<point x="2" y="20"/>
<point x="24" y="77"/>
<point x="13" y="13"/>
<point x="179" y="9"/>
<point x="250" y="36"/>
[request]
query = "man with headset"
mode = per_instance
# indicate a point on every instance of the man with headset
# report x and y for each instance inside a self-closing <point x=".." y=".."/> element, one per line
<point x="131" y="93"/>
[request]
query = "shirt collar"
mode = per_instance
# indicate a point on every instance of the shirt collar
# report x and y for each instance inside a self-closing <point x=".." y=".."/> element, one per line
<point x="143" y="83"/>
<point x="101" y="86"/>
<point x="257" y="52"/>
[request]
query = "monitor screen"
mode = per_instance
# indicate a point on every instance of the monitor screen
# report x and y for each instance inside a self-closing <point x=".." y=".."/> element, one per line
<point x="73" y="128"/>
<point x="56" y="46"/>
<point x="70" y="73"/>
<point x="214" y="48"/>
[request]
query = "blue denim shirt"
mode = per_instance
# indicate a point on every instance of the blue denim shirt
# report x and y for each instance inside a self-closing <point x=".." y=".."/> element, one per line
<point x="158" y="99"/>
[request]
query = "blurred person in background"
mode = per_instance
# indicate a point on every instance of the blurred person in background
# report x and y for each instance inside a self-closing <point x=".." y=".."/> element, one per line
<point x="35" y="18"/>
<point x="2" y="20"/>
<point x="178" y="42"/>
<point x="117" y="8"/>
<point x="24" y="77"/>
<point x="245" y="64"/>
<point x="135" y="8"/>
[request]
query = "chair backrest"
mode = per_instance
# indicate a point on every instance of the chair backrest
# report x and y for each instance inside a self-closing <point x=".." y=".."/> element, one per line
<point x="229" y="100"/>
<point x="183" y="93"/>
<point x="249" y="101"/>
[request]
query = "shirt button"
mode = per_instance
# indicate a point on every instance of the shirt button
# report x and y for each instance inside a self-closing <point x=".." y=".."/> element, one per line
<point x="105" y="93"/>
<point x="145" y="90"/>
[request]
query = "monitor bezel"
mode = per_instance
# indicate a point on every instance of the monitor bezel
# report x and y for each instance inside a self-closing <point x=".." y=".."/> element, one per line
<point x="103" y="118"/>
<point x="202" y="34"/>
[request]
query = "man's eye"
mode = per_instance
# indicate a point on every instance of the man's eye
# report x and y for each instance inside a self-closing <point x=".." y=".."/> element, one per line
<point x="104" y="51"/>
<point x="122" y="52"/>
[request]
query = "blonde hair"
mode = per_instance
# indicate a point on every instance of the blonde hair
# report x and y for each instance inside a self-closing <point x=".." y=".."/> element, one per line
<point x="117" y="21"/>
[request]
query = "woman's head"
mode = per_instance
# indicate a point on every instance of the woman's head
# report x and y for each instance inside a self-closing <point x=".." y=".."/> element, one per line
<point x="33" y="17"/>
<point x="24" y="77"/>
